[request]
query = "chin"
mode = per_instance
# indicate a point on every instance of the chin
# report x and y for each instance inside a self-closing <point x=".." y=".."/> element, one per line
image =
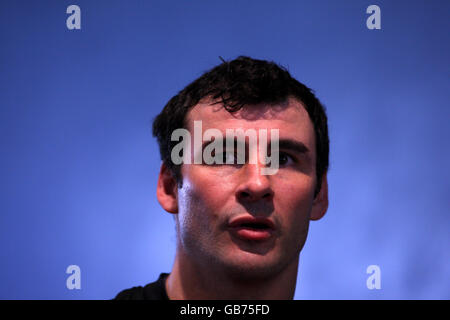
<point x="251" y="266"/>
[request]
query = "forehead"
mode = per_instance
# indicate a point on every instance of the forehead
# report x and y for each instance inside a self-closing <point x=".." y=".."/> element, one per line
<point x="289" y="117"/>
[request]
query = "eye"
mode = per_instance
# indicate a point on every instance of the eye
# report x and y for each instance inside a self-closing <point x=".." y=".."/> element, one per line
<point x="285" y="159"/>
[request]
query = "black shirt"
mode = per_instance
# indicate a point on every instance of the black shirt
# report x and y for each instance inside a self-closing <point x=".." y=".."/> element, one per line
<point x="152" y="291"/>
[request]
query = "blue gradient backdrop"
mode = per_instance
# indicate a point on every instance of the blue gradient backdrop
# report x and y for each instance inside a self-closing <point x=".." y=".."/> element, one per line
<point x="78" y="163"/>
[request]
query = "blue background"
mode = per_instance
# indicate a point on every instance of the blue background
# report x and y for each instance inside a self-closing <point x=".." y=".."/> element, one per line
<point x="78" y="163"/>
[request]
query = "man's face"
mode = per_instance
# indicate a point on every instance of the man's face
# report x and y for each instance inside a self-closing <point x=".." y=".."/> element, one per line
<point x="212" y="197"/>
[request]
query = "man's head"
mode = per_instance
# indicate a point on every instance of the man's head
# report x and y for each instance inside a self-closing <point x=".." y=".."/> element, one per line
<point x="212" y="202"/>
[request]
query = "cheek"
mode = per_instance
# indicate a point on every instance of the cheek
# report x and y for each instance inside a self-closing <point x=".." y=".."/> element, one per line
<point x="191" y="209"/>
<point x="200" y="216"/>
<point x="192" y="221"/>
<point x="296" y="194"/>
<point x="294" y="207"/>
<point x="200" y="203"/>
<point x="205" y="189"/>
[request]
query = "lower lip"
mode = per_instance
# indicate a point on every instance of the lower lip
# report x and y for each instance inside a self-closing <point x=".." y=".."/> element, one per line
<point x="252" y="234"/>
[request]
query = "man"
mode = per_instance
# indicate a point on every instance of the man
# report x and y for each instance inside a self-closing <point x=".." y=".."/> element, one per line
<point x="239" y="231"/>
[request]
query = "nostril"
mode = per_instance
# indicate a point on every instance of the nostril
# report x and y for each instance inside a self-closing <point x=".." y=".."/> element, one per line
<point x="244" y="194"/>
<point x="267" y="195"/>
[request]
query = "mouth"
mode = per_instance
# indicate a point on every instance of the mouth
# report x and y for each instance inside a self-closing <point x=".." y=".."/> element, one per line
<point x="252" y="228"/>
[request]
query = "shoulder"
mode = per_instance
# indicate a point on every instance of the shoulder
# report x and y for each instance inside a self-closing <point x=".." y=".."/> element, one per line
<point x="135" y="293"/>
<point x="152" y="291"/>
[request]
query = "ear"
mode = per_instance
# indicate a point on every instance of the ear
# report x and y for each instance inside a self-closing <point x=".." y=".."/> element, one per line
<point x="320" y="203"/>
<point x="166" y="190"/>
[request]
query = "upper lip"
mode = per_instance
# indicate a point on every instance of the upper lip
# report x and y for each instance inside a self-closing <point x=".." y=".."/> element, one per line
<point x="250" y="220"/>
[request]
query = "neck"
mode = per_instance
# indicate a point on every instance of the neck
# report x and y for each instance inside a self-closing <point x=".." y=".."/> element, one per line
<point x="190" y="281"/>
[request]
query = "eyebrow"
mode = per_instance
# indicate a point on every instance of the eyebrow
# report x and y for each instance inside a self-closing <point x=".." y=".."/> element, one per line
<point x="296" y="146"/>
<point x="285" y="144"/>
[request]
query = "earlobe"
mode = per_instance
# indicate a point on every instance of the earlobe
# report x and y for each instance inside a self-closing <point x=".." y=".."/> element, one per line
<point x="166" y="190"/>
<point x="320" y="204"/>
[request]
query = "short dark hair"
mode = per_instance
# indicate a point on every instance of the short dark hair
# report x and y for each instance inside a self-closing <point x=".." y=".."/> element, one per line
<point x="240" y="82"/>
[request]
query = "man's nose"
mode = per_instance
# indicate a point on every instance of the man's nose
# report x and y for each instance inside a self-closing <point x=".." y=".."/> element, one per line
<point x="253" y="185"/>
